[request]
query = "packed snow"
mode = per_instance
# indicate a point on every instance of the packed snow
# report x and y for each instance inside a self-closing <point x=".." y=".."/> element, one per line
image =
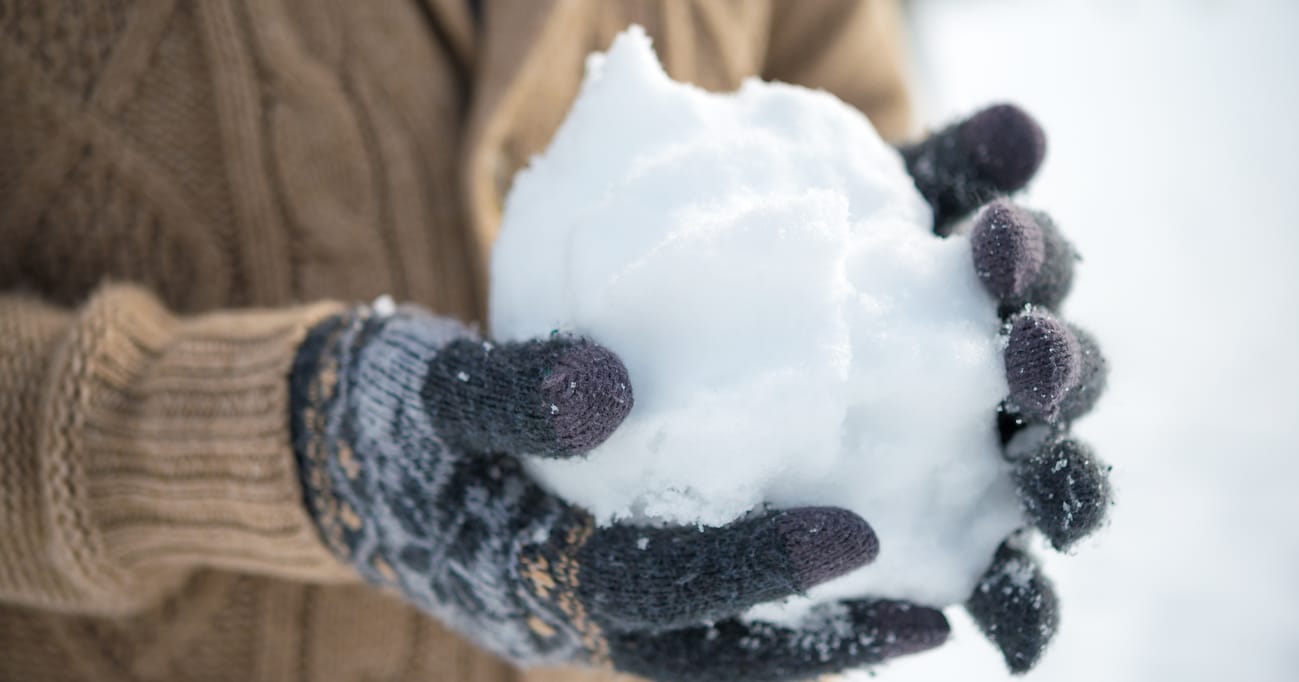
<point x="794" y="332"/>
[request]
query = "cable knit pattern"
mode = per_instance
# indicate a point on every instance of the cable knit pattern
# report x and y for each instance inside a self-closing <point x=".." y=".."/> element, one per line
<point x="196" y="132"/>
<point x="229" y="154"/>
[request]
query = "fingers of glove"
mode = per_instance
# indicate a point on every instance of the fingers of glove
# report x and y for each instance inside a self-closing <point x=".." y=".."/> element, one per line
<point x="1043" y="362"/>
<point x="831" y="639"/>
<point x="556" y="397"/>
<point x="1064" y="489"/>
<point x="1015" y="606"/>
<point x="634" y="578"/>
<point x="1093" y="374"/>
<point x="1021" y="257"/>
<point x="994" y="152"/>
<point x="1055" y="370"/>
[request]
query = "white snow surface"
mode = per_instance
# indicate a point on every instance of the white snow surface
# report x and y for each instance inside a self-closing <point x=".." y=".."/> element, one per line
<point x="794" y="333"/>
<point x="1170" y="165"/>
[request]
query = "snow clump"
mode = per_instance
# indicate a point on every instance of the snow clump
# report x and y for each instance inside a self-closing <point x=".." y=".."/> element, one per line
<point x="794" y="332"/>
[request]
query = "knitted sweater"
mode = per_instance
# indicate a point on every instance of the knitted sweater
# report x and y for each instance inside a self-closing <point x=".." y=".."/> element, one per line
<point x="184" y="189"/>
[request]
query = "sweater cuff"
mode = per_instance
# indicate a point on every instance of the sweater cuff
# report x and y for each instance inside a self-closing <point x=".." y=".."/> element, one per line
<point x="170" y="445"/>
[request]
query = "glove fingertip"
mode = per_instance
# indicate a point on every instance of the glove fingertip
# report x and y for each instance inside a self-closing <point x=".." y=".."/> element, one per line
<point x="556" y="397"/>
<point x="588" y="395"/>
<point x="1009" y="250"/>
<point x="1043" y="363"/>
<point x="1015" y="605"/>
<point x="824" y="543"/>
<point x="903" y="627"/>
<point x="1006" y="146"/>
<point x="1093" y="376"/>
<point x="1065" y="491"/>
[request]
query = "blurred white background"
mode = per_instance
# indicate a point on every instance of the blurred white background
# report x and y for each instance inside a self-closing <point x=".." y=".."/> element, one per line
<point x="1173" y="165"/>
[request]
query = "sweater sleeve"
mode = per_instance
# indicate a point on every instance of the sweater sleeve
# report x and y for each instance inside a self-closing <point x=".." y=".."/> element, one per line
<point x="854" y="49"/>
<point x="139" y="446"/>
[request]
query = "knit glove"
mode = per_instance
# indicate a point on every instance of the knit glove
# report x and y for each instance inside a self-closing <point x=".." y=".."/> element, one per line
<point x="409" y="431"/>
<point x="1054" y="369"/>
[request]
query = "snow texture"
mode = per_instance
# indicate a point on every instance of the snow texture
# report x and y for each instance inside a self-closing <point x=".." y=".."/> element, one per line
<point x="794" y="332"/>
<point x="1171" y="163"/>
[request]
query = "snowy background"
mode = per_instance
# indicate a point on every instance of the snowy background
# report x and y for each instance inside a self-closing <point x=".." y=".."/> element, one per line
<point x="1174" y="167"/>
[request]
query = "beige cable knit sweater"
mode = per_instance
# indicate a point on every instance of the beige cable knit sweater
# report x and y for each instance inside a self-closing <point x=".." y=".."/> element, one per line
<point x="183" y="188"/>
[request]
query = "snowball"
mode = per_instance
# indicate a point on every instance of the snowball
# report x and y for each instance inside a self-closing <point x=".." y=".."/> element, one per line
<point x="794" y="332"/>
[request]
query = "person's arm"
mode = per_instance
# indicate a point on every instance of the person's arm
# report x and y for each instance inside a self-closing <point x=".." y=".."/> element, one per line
<point x="139" y="446"/>
<point x="853" y="49"/>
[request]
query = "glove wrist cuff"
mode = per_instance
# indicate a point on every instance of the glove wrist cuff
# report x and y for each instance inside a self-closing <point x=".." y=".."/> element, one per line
<point x="354" y="397"/>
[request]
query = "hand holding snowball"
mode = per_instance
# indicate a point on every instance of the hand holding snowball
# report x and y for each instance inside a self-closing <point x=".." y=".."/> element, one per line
<point x="409" y="428"/>
<point x="414" y="437"/>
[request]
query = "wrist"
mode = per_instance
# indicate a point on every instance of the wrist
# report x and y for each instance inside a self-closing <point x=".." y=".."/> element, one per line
<point x="355" y="404"/>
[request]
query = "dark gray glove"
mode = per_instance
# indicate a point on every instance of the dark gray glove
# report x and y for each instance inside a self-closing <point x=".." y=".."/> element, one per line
<point x="1054" y="369"/>
<point x="408" y="428"/>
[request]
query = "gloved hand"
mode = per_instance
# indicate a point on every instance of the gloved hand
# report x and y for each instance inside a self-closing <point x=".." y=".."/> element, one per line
<point x="409" y="431"/>
<point x="1054" y="369"/>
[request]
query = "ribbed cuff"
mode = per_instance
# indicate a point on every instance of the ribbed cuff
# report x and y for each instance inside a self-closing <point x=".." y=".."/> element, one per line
<point x="169" y="445"/>
<point x="28" y="328"/>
